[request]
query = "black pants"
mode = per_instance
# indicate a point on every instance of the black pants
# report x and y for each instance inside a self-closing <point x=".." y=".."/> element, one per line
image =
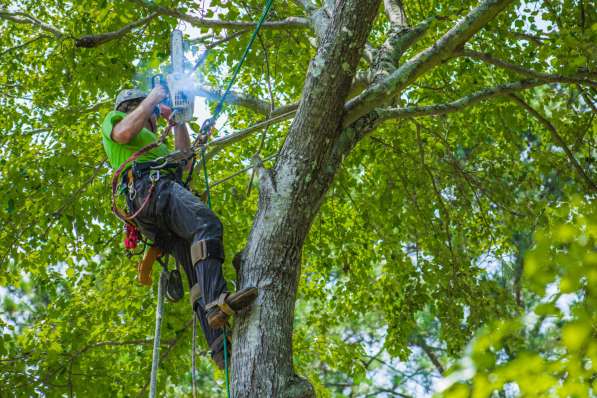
<point x="174" y="218"/>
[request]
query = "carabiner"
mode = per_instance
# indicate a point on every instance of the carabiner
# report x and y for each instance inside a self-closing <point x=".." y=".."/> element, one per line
<point x="132" y="191"/>
<point x="154" y="176"/>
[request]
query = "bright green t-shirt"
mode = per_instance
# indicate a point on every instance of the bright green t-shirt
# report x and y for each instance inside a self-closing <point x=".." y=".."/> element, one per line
<point x="119" y="153"/>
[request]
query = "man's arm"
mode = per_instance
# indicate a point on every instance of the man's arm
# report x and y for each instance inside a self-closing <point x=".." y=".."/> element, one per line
<point x="182" y="142"/>
<point x="125" y="130"/>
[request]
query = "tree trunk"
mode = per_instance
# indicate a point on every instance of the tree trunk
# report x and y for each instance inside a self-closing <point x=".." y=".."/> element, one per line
<point x="290" y="197"/>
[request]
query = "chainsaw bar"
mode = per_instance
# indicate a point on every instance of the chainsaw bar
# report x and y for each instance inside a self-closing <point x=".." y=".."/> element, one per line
<point x="176" y="51"/>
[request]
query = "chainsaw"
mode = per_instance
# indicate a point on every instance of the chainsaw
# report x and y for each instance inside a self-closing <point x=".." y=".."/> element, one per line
<point x="180" y="86"/>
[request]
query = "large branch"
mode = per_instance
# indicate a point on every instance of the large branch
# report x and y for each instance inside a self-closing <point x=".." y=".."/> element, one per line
<point x="384" y="91"/>
<point x="395" y="12"/>
<point x="287" y="23"/>
<point x="488" y="58"/>
<point x="454" y="106"/>
<point x="24" y="44"/>
<point x="400" y="38"/>
<point x="89" y="41"/>
<point x="21" y="17"/>
<point x="236" y="136"/>
<point x="236" y="98"/>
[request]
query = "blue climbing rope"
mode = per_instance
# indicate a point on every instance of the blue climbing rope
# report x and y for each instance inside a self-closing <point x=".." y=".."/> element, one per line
<point x="209" y="123"/>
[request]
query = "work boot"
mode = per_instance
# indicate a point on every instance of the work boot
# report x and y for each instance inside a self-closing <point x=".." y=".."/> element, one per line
<point x="217" y="351"/>
<point x="228" y="304"/>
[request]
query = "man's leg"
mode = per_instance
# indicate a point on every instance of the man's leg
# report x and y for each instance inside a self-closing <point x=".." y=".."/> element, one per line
<point x="214" y="337"/>
<point x="191" y="220"/>
<point x="175" y="218"/>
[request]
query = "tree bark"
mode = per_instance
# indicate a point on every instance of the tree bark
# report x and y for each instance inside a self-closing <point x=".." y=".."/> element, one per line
<point x="290" y="197"/>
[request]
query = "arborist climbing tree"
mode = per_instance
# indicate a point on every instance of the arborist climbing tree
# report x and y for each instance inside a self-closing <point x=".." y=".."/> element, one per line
<point x="429" y="141"/>
<point x="167" y="213"/>
<point x="162" y="208"/>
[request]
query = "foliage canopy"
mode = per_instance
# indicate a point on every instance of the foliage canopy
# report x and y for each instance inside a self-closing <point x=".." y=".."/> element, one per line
<point x="473" y="220"/>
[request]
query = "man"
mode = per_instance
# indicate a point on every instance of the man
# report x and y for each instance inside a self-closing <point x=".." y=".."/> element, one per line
<point x="171" y="216"/>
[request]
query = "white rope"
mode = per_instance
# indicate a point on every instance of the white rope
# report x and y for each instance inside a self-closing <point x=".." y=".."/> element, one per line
<point x="158" y="329"/>
<point x="194" y="360"/>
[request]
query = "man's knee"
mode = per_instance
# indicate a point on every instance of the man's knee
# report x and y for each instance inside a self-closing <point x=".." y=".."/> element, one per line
<point x="211" y="228"/>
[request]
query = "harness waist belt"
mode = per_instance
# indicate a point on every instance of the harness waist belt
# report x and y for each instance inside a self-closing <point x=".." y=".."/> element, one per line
<point x="142" y="169"/>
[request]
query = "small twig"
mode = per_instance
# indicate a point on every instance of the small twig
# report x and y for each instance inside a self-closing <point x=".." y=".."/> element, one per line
<point x="420" y="341"/>
<point x="24" y="44"/>
<point x="447" y="222"/>
<point x="558" y="139"/>
<point x="287" y="23"/>
<point x="21" y="17"/>
<point x="226" y="39"/>
<point x="582" y="78"/>
<point x="230" y="177"/>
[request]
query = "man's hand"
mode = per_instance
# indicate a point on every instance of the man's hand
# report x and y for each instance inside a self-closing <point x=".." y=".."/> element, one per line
<point x="157" y="95"/>
<point x="165" y="111"/>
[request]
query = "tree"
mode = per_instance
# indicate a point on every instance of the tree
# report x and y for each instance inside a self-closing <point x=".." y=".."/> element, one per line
<point x="446" y="127"/>
<point x="507" y="355"/>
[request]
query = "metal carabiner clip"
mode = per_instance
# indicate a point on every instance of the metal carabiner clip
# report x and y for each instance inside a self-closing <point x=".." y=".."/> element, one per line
<point x="132" y="191"/>
<point x="154" y="176"/>
<point x="165" y="159"/>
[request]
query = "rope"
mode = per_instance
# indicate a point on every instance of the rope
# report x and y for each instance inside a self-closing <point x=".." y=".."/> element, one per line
<point x="209" y="123"/>
<point x="158" y="329"/>
<point x="194" y="359"/>
<point x="206" y="130"/>
<point x="116" y="177"/>
<point x="226" y="377"/>
<point x="205" y="176"/>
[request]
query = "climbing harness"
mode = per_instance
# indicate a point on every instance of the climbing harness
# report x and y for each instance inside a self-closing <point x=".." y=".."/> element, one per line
<point x="126" y="218"/>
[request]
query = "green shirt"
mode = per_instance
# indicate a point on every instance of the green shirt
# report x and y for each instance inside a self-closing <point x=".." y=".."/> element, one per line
<point x="119" y="153"/>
